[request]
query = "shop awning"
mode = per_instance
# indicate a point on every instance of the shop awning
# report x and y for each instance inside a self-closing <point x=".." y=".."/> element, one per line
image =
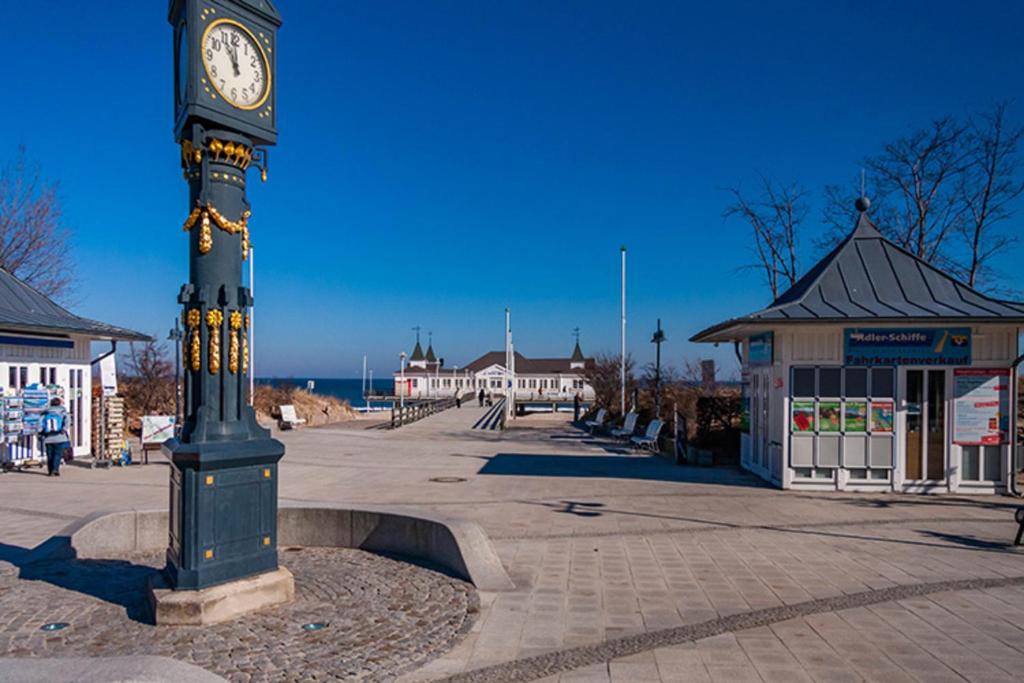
<point x="869" y="280"/>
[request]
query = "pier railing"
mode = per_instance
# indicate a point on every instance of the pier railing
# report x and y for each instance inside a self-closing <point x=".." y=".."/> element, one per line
<point x="417" y="411"/>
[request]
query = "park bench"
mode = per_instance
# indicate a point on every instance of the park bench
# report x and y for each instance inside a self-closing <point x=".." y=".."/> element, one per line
<point x="289" y="418"/>
<point x="628" y="427"/>
<point x="649" y="439"/>
<point x="598" y="421"/>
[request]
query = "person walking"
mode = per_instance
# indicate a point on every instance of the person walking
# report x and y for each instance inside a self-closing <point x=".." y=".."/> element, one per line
<point x="576" y="407"/>
<point x="458" y="399"/>
<point x="55" y="436"/>
<point x="480" y="397"/>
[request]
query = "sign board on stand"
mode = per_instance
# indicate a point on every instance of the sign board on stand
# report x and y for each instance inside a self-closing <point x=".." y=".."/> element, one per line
<point x="155" y="430"/>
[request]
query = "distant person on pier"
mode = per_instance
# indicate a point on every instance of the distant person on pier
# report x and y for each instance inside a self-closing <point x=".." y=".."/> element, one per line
<point x="576" y="407"/>
<point x="458" y="399"/>
<point x="480" y="396"/>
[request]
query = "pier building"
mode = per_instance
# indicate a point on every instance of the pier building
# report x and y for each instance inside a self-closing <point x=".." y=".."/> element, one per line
<point x="532" y="378"/>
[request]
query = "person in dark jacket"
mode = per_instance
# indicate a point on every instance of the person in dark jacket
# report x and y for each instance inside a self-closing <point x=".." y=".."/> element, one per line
<point x="576" y="408"/>
<point x="480" y="397"/>
<point x="55" y="436"/>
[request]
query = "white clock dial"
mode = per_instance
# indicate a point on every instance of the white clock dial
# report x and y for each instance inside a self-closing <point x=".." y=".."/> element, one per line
<point x="235" y="64"/>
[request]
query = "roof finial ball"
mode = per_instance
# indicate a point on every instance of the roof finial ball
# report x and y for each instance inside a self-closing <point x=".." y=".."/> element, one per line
<point x="862" y="204"/>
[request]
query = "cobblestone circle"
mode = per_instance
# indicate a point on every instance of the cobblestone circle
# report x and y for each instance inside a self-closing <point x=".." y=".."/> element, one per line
<point x="385" y="617"/>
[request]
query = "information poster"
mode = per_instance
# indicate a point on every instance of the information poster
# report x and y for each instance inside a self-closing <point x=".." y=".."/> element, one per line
<point x="855" y="415"/>
<point x="981" y="414"/>
<point x="829" y="413"/>
<point x="803" y="416"/>
<point x="157" y="428"/>
<point x="881" y="416"/>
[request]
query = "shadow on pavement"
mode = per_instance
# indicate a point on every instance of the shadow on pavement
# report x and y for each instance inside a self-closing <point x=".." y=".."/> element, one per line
<point x="118" y="582"/>
<point x="644" y="467"/>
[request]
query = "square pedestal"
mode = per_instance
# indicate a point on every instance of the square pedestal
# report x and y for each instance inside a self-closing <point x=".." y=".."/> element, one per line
<point x="219" y="603"/>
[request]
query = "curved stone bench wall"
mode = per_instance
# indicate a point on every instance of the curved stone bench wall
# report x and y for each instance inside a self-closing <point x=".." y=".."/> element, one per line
<point x="458" y="546"/>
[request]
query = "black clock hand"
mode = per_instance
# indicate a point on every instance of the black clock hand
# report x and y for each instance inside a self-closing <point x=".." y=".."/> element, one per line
<point x="233" y="53"/>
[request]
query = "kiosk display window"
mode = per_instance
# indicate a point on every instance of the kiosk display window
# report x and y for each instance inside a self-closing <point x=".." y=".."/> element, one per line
<point x="842" y="417"/>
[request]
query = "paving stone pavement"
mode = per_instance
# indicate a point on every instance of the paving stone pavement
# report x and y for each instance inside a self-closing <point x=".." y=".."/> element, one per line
<point x="383" y="616"/>
<point x="604" y="544"/>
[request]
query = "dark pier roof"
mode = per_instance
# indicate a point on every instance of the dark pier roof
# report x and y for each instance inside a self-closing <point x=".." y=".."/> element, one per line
<point x="868" y="279"/>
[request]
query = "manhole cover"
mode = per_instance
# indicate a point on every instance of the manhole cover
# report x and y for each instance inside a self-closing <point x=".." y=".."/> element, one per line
<point x="54" y="626"/>
<point x="447" y="480"/>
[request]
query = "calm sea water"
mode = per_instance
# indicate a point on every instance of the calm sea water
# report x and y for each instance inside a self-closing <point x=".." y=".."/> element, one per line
<point x="350" y="390"/>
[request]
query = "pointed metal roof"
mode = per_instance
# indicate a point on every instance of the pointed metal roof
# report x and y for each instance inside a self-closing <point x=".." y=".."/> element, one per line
<point x="577" y="355"/>
<point x="417" y="353"/>
<point x="868" y="279"/>
<point x="431" y="358"/>
<point x="25" y="309"/>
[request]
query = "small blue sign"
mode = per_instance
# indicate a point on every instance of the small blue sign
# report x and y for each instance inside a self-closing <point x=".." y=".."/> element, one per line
<point x="761" y="349"/>
<point x="907" y="346"/>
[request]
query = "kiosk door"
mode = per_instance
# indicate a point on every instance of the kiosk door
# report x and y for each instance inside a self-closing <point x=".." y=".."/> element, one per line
<point x="924" y="402"/>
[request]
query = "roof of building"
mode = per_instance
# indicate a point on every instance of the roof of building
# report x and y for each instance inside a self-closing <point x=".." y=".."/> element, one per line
<point x="431" y="358"/>
<point x="577" y="354"/>
<point x="417" y="353"/>
<point x="524" y="365"/>
<point x="869" y="279"/>
<point x="25" y="309"/>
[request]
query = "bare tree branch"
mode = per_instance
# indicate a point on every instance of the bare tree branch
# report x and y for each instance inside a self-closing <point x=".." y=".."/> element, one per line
<point x="34" y="244"/>
<point x="988" y="187"/>
<point x="774" y="218"/>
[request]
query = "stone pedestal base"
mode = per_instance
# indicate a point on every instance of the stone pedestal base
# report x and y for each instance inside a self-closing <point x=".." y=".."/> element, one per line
<point x="219" y="603"/>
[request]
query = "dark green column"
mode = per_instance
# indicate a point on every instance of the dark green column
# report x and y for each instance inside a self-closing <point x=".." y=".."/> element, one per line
<point x="223" y="494"/>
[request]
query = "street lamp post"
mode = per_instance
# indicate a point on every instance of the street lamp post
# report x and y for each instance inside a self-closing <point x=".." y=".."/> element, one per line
<point x="176" y="335"/>
<point x="657" y="340"/>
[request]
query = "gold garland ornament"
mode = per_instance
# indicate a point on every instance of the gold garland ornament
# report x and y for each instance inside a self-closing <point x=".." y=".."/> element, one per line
<point x="214" y="319"/>
<point x="196" y="350"/>
<point x="228" y="226"/>
<point x="236" y="326"/>
<point x="245" y="345"/>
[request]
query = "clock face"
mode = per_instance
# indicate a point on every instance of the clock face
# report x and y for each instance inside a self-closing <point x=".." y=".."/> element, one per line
<point x="236" y="64"/>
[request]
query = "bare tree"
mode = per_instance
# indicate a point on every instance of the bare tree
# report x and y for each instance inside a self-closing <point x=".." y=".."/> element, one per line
<point x="988" y="187"/>
<point x="774" y="217"/>
<point x="917" y="177"/>
<point x="148" y="385"/>
<point x="915" y="190"/>
<point x="604" y="376"/>
<point x="34" y="244"/>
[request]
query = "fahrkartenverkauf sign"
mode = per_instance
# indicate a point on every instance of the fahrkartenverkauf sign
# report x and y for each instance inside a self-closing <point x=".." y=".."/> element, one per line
<point x="907" y="346"/>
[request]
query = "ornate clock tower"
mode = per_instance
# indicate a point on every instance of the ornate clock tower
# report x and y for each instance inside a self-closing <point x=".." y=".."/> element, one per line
<point x="223" y="497"/>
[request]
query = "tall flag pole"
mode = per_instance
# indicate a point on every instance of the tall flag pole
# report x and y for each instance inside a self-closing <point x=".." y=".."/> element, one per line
<point x="622" y="357"/>
<point x="508" y="360"/>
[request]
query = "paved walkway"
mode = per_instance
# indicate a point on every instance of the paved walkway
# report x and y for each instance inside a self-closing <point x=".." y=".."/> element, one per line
<point x="630" y="568"/>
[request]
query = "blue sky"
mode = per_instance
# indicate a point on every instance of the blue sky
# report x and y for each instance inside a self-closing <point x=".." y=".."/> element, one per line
<point x="438" y="161"/>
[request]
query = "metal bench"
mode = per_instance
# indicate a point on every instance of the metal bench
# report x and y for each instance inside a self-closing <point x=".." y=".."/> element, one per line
<point x="649" y="439"/>
<point x="598" y="421"/>
<point x="628" y="427"/>
<point x="289" y="418"/>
